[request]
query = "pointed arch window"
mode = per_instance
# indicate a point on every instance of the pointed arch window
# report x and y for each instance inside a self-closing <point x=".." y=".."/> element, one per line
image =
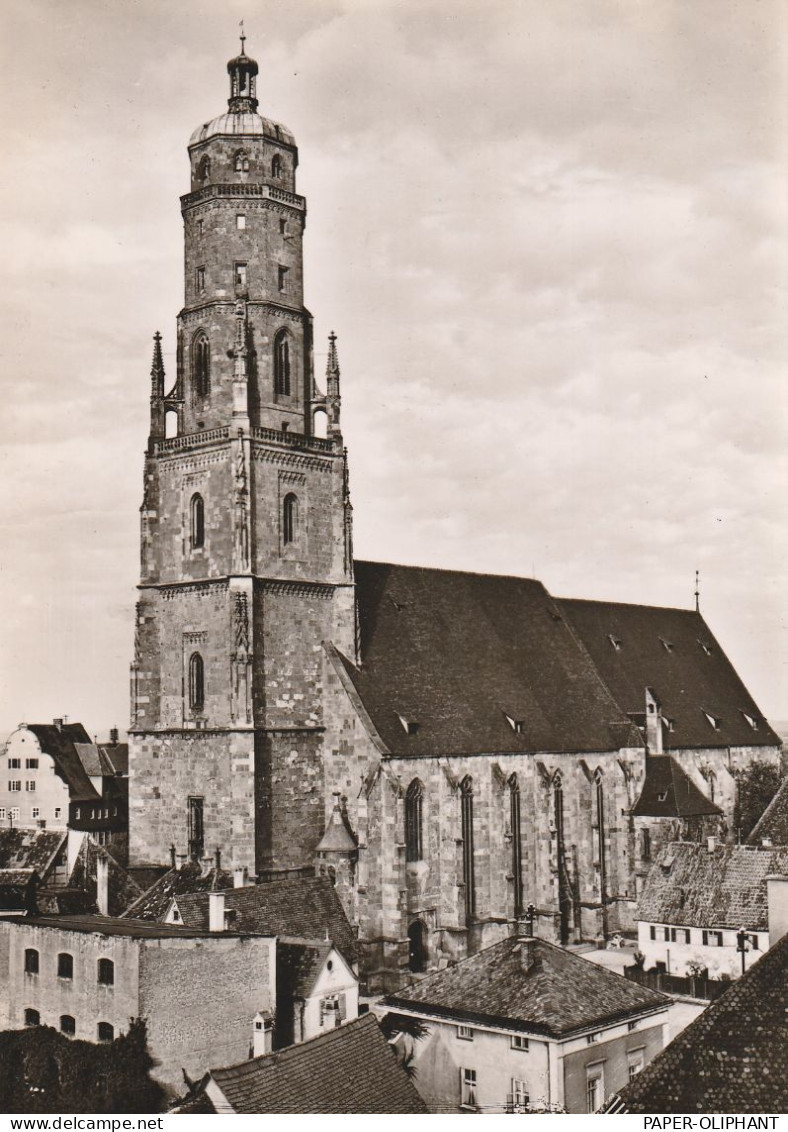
<point x="196" y="682"/>
<point x="289" y="519"/>
<point x="276" y="166"/>
<point x="282" y="364"/>
<point x="599" y="789"/>
<point x="197" y="521"/>
<point x="204" y="169"/>
<point x="466" y="824"/>
<point x="517" y="845"/>
<point x="413" y="822"/>
<point x="242" y="161"/>
<point x="201" y="365"/>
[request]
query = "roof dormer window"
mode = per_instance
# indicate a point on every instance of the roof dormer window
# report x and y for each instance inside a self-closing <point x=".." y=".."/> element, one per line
<point x="667" y="645"/>
<point x="515" y="724"/>
<point x="751" y="720"/>
<point x="409" y="726"/>
<point x="706" y="648"/>
<point x="713" y="720"/>
<point x="615" y="642"/>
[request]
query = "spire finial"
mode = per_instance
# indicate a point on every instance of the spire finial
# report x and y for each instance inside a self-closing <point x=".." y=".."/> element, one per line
<point x="697" y="591"/>
<point x="243" y="38"/>
<point x="157" y="367"/>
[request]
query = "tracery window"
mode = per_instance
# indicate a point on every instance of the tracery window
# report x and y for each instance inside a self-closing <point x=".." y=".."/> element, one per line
<point x="413" y="826"/>
<point x="282" y="364"/>
<point x="201" y="365"/>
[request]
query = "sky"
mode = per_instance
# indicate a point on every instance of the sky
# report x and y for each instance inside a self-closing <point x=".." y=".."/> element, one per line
<point x="551" y="236"/>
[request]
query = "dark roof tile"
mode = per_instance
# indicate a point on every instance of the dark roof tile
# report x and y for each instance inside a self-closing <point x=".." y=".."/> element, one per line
<point x="773" y="823"/>
<point x="153" y="903"/>
<point x="30" y="849"/>
<point x="668" y="791"/>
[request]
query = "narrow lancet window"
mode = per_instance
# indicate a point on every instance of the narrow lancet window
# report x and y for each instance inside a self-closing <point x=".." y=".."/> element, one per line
<point x="197" y="522"/>
<point x="466" y="822"/>
<point x="282" y="364"/>
<point x="196" y="682"/>
<point x="289" y="519"/>
<point x="413" y="826"/>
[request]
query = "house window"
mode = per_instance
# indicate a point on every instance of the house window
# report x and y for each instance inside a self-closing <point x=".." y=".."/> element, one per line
<point x="518" y="1042"/>
<point x="466" y="826"/>
<point x="591" y="1039"/>
<point x="645" y="845"/>
<point x="36" y="812"/>
<point x="517" y="845"/>
<point x="57" y="811"/>
<point x="712" y="939"/>
<point x="2" y="813"/>
<point x="465" y="1033"/>
<point x="13" y="813"/>
<point x="276" y="166"/>
<point x="196" y="832"/>
<point x="15" y="786"/>
<point x="199" y="280"/>
<point x="106" y="1032"/>
<point x="289" y="519"/>
<point x="635" y="1062"/>
<point x="413" y="800"/>
<point x="197" y="521"/>
<point x="65" y="966"/>
<point x="468" y="1079"/>
<point x="201" y="365"/>
<point x="106" y="972"/>
<point x="14" y="764"/>
<point x="518" y="1098"/>
<point x="31" y="961"/>
<point x="30" y="786"/>
<point x="67" y="1024"/>
<point x="242" y="161"/>
<point x="31" y="764"/>
<point x="240" y="274"/>
<point x="282" y="277"/>
<point x="753" y="941"/>
<point x="594" y="1090"/>
<point x="240" y="222"/>
<point x="32" y="1017"/>
<point x="332" y="1010"/>
<point x="282" y="364"/>
<point x="196" y="682"/>
<point x="632" y="1026"/>
<point x="652" y="931"/>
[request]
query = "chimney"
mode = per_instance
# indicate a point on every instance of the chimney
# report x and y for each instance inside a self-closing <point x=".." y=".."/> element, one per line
<point x="113" y="736"/>
<point x="206" y="865"/>
<point x="711" y="844"/>
<point x="216" y="911"/>
<point x="102" y="884"/>
<point x="653" y="723"/>
<point x="182" y="858"/>
<point x="527" y="954"/>
<point x="262" y="1035"/>
<point x="217" y="859"/>
<point x="240" y="877"/>
<point x="58" y="723"/>
<point x="777" y="904"/>
<point x="173" y="857"/>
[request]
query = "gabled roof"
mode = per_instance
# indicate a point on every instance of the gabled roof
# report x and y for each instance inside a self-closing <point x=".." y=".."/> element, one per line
<point x="350" y="1069"/>
<point x="30" y="849"/>
<point x="732" y="1058"/>
<point x="726" y="888"/>
<point x="446" y="657"/>
<point x="117" y="757"/>
<point x="122" y="890"/>
<point x="299" y="963"/>
<point x="60" y="743"/>
<point x="302" y="907"/>
<point x="674" y="652"/>
<point x="773" y="823"/>
<point x="530" y="985"/>
<point x="153" y="903"/>
<point x="668" y="791"/>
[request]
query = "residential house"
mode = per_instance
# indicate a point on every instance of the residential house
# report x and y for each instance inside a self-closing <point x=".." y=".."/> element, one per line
<point x="58" y="778"/>
<point x="316" y="990"/>
<point x="350" y="1069"/>
<point x="525" y="1024"/>
<point x="733" y="1057"/>
<point x="205" y="995"/>
<point x="698" y="898"/>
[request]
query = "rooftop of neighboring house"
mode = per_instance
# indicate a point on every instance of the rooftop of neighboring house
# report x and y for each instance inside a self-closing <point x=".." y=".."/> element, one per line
<point x="732" y="1058"/>
<point x="120" y="926"/>
<point x="673" y="651"/>
<point x="188" y="877"/>
<point x="530" y="985"/>
<point x="299" y="963"/>
<point x="693" y="885"/>
<point x="307" y="908"/>
<point x="773" y="823"/>
<point x="59" y="740"/>
<point x="350" y="1069"/>
<point x="104" y="760"/>
<point x="460" y="663"/>
<point x="35" y="849"/>
<point x="668" y="791"/>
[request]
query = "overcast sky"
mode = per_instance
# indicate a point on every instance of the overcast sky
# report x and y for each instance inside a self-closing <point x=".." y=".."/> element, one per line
<point x="550" y="235"/>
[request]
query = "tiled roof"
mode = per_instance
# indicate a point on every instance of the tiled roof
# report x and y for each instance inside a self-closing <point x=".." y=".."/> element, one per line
<point x="773" y="823"/>
<point x="302" y="907"/>
<point x="725" y="888"/>
<point x="122" y="888"/>
<point x="298" y="964"/>
<point x="117" y="755"/>
<point x="350" y="1069"/>
<point x="674" y="652"/>
<point x="153" y="904"/>
<point x="732" y="1058"/>
<point x="30" y="849"/>
<point x="529" y="985"/>
<point x="669" y="792"/>
<point x="446" y="657"/>
<point x="59" y="743"/>
<point x="119" y="925"/>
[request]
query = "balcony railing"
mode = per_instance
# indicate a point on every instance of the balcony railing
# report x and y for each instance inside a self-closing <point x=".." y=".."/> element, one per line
<point x="293" y="439"/>
<point x="247" y="190"/>
<point x="193" y="439"/>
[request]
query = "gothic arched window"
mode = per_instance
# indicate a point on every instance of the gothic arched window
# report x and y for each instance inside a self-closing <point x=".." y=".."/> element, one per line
<point x="282" y="364"/>
<point x="600" y="831"/>
<point x="242" y="161"/>
<point x="196" y="682"/>
<point x="201" y="365"/>
<point x="197" y="518"/>
<point x="204" y="169"/>
<point x="466" y="823"/>
<point x="289" y="518"/>
<point x="517" y="845"/>
<point x="276" y="166"/>
<point x="413" y="842"/>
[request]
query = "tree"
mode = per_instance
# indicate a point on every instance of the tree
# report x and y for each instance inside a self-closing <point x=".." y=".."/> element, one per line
<point x="756" y="785"/>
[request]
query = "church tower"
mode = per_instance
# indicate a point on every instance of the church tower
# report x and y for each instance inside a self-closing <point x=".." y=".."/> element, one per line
<point x="246" y="549"/>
